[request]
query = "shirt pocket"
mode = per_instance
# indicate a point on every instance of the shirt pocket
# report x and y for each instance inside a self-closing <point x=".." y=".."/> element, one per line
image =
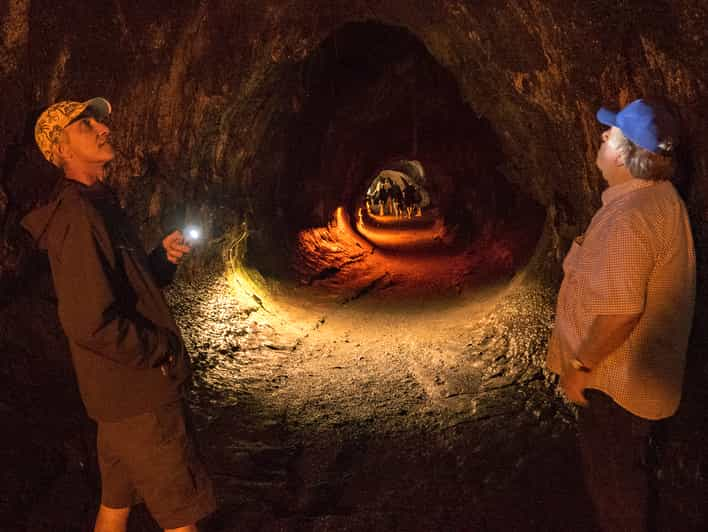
<point x="573" y="259"/>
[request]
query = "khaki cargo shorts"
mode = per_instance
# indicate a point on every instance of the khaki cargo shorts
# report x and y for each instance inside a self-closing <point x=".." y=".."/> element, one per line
<point x="153" y="458"/>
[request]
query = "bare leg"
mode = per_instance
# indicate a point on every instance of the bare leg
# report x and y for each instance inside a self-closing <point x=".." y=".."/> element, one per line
<point x="112" y="519"/>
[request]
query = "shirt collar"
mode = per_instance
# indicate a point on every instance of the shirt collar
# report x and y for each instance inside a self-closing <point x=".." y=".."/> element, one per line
<point x="616" y="191"/>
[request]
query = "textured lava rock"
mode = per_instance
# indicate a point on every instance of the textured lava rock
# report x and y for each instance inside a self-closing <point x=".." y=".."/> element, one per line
<point x="210" y="95"/>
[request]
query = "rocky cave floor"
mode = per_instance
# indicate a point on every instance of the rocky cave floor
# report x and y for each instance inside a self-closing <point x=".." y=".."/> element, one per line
<point x="373" y="413"/>
<point x="368" y="415"/>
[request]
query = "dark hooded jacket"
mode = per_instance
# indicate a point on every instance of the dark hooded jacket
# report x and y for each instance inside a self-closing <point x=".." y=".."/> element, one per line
<point x="127" y="350"/>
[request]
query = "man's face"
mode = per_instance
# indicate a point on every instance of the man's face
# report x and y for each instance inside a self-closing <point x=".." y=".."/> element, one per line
<point x="608" y="159"/>
<point x="89" y="141"/>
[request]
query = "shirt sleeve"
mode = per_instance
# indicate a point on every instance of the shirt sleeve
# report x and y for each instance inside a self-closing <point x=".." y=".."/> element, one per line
<point x="94" y="306"/>
<point x="619" y="274"/>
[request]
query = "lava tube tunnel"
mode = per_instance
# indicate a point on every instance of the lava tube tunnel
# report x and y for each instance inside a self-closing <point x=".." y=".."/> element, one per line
<point x="379" y="197"/>
<point x="393" y="184"/>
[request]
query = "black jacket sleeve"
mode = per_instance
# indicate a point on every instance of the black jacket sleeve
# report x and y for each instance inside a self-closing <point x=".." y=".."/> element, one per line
<point x="162" y="269"/>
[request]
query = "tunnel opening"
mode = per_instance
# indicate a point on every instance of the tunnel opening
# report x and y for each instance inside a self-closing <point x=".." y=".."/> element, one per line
<point x="397" y="193"/>
<point x="372" y="99"/>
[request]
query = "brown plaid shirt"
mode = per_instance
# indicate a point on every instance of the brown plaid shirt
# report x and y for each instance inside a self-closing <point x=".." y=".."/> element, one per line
<point x="636" y="257"/>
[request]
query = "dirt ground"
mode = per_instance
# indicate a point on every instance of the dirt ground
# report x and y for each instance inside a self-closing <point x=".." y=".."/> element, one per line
<point x="348" y="403"/>
<point x="396" y="392"/>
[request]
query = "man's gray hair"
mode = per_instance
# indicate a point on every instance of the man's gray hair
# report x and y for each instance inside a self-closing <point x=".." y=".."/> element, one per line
<point x="63" y="139"/>
<point x="642" y="163"/>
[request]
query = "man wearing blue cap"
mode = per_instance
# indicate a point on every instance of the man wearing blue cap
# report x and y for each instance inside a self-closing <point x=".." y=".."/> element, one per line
<point x="624" y="311"/>
<point x="126" y="348"/>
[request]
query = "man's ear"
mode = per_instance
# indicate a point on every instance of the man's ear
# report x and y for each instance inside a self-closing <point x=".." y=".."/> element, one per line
<point x="62" y="150"/>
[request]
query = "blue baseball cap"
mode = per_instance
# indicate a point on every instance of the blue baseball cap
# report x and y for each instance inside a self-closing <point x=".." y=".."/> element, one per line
<point x="647" y="124"/>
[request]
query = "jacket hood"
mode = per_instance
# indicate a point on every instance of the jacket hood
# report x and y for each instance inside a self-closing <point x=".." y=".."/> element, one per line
<point x="37" y="220"/>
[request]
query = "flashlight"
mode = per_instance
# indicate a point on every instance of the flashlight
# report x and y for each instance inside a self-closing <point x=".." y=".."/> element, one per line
<point x="192" y="233"/>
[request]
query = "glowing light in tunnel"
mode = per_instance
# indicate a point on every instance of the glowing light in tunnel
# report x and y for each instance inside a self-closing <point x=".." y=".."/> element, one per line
<point x="244" y="282"/>
<point x="342" y="224"/>
<point x="340" y="220"/>
<point x="401" y="237"/>
<point x="387" y="235"/>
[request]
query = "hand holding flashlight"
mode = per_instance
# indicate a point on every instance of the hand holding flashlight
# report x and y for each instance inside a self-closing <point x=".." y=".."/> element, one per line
<point x="176" y="246"/>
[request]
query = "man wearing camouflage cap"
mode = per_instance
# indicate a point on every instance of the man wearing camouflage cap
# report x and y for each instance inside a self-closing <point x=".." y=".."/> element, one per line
<point x="126" y="349"/>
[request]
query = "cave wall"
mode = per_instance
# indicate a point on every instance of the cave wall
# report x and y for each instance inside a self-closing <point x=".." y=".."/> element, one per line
<point x="207" y="96"/>
<point x="204" y="92"/>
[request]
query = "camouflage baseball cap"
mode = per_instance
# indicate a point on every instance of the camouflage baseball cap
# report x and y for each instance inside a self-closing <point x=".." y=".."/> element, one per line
<point x="51" y="123"/>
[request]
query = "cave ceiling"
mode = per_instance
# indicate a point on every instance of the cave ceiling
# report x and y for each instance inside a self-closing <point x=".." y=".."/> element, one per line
<point x="209" y="95"/>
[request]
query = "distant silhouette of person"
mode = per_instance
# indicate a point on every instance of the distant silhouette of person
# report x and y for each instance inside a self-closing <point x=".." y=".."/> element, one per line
<point x="396" y="199"/>
<point x="385" y="196"/>
<point x="410" y="198"/>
